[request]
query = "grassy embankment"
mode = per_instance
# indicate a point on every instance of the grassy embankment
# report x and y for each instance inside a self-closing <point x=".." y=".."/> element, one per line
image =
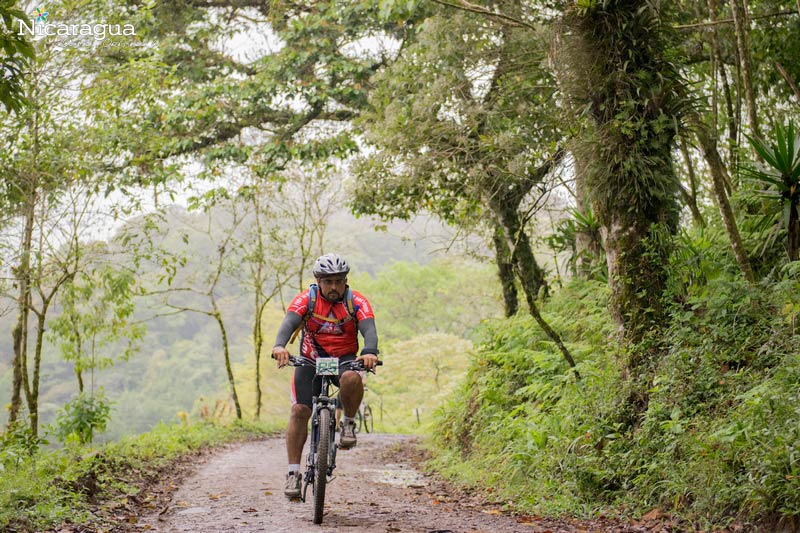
<point x="718" y="444"/>
<point x="40" y="489"/>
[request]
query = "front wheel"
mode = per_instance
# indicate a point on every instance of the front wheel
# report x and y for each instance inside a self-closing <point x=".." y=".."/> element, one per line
<point x="321" y="463"/>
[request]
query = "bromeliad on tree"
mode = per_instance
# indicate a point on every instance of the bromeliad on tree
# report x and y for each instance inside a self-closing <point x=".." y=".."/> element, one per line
<point x="781" y="175"/>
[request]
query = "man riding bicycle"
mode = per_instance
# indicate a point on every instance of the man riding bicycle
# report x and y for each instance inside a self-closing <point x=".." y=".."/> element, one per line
<point x="330" y="315"/>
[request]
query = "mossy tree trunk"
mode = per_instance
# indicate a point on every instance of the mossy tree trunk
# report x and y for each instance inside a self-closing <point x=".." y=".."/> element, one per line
<point x="615" y="68"/>
<point x="718" y="178"/>
<point x="504" y="202"/>
<point x="505" y="271"/>
<point x="20" y="332"/>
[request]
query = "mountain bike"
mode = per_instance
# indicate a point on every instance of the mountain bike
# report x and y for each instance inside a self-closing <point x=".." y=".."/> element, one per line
<point x="321" y="458"/>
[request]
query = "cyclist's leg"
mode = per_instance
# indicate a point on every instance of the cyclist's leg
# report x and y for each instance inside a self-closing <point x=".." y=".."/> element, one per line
<point x="303" y="384"/>
<point x="297" y="430"/>
<point x="351" y="389"/>
<point x="349" y="398"/>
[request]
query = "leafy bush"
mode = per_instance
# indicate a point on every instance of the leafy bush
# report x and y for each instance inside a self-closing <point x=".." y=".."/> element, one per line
<point x="82" y="416"/>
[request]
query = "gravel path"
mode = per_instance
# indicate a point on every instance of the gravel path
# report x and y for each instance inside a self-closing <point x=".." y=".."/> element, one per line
<point x="375" y="490"/>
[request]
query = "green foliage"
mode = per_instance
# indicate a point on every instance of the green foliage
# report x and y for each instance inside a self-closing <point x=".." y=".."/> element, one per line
<point x="459" y="120"/>
<point x="417" y="376"/>
<point x="717" y="443"/>
<point x="96" y="320"/>
<point x="82" y="417"/>
<point x="17" y="444"/>
<point x="781" y="178"/>
<point x="16" y="54"/>
<point x="445" y="296"/>
<point x="565" y="239"/>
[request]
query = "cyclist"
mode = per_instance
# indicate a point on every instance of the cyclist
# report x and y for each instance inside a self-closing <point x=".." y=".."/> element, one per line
<point x="330" y="331"/>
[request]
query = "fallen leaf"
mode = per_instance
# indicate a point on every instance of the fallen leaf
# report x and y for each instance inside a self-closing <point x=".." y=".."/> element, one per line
<point x="654" y="514"/>
<point x="491" y="511"/>
<point x="267" y="493"/>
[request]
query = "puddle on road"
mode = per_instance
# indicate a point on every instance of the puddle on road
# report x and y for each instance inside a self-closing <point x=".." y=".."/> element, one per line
<point x="397" y="476"/>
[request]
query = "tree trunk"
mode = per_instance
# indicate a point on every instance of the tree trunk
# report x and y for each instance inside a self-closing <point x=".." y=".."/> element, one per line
<point x="636" y="255"/>
<point x="259" y="303"/>
<point x="258" y="342"/>
<point x="789" y="80"/>
<point x="717" y="169"/>
<point x="690" y="196"/>
<point x="794" y="233"/>
<point x="226" y="353"/>
<point x="717" y="55"/>
<point x="583" y="245"/>
<point x="528" y="271"/>
<point x="20" y="334"/>
<point x="78" y="351"/>
<point x="505" y="270"/>
<point x="612" y="56"/>
<point x="33" y="398"/>
<point x="16" y="391"/>
<point x="742" y="28"/>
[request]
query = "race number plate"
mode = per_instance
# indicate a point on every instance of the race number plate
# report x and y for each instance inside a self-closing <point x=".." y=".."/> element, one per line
<point x="327" y="366"/>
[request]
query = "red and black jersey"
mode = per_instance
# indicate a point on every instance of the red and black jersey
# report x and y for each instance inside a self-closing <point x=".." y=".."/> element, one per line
<point x="335" y="338"/>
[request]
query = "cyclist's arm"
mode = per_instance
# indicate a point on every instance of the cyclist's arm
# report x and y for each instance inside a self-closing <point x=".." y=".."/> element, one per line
<point x="370" y="335"/>
<point x="287" y="327"/>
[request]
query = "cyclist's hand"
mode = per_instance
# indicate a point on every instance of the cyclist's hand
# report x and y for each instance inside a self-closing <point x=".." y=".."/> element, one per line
<point x="370" y="360"/>
<point x="281" y="355"/>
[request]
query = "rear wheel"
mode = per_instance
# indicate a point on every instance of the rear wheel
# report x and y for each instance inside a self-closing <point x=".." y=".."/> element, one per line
<point x="369" y="421"/>
<point x="321" y="464"/>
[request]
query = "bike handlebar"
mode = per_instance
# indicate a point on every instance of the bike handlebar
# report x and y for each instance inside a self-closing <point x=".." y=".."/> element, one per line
<point x="356" y="364"/>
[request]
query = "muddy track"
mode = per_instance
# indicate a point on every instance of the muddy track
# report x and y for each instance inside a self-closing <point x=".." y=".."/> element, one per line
<point x="376" y="489"/>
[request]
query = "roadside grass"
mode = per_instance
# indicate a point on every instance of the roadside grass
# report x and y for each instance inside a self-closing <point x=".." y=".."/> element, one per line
<point x="42" y="488"/>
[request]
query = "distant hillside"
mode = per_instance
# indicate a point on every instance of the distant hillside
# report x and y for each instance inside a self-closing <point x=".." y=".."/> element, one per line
<point x="415" y="286"/>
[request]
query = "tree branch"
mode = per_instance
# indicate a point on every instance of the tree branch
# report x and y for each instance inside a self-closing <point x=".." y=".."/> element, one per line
<point x="463" y="5"/>
<point x="785" y="74"/>
<point x="730" y="21"/>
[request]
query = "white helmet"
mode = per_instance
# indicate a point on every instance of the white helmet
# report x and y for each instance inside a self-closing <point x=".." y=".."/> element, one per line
<point x="330" y="265"/>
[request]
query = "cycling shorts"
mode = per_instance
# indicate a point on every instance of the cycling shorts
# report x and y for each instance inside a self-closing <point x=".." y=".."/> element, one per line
<point x="306" y="384"/>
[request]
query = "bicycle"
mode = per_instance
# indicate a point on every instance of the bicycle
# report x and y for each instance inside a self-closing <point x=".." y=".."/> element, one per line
<point x="321" y="458"/>
<point x="364" y="418"/>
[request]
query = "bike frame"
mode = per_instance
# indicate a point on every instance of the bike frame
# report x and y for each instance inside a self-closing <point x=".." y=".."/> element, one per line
<point x="323" y="401"/>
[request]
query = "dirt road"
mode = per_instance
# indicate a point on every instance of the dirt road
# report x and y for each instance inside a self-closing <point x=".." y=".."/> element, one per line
<point x="375" y="490"/>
